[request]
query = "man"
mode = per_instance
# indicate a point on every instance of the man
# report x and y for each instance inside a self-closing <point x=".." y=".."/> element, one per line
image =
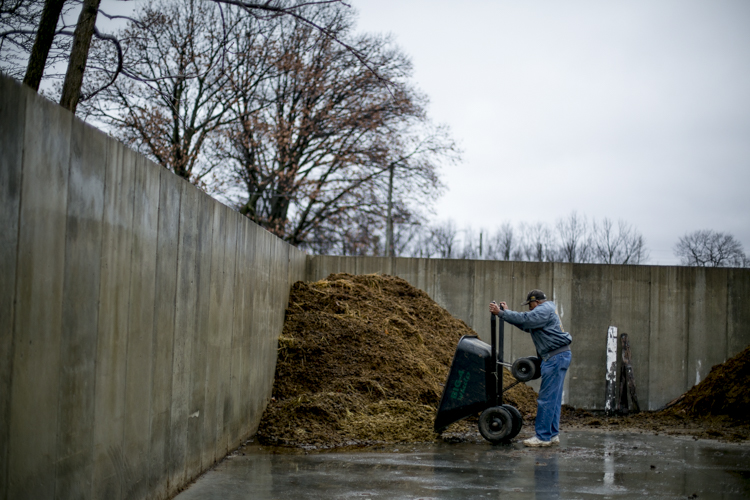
<point x="553" y="346"/>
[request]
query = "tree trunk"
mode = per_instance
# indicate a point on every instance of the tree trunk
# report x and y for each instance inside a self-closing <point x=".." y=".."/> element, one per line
<point x="45" y="34"/>
<point x="79" y="54"/>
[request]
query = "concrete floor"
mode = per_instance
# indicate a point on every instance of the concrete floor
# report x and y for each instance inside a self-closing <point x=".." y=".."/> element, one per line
<point x="587" y="464"/>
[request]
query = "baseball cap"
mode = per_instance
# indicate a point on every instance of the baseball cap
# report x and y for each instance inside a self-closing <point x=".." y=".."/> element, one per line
<point x="534" y="295"/>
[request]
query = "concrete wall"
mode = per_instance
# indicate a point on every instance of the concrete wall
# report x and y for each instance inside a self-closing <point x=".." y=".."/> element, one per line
<point x="138" y="316"/>
<point x="681" y="320"/>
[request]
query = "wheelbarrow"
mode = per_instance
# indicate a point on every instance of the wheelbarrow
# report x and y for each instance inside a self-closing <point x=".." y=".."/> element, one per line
<point x="475" y="386"/>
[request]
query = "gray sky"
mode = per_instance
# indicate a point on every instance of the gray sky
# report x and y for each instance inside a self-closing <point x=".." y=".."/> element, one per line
<point x="636" y="110"/>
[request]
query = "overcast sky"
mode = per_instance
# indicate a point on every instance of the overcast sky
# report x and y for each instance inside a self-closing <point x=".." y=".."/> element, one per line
<point x="636" y="110"/>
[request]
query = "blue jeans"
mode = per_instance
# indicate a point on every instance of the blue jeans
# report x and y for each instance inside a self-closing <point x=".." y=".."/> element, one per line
<point x="550" y="395"/>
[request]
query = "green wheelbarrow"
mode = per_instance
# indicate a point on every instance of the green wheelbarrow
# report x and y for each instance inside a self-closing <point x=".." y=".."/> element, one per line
<point x="475" y="386"/>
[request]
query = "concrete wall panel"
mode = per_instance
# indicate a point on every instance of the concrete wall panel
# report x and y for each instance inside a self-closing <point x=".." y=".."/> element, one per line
<point x="668" y="342"/>
<point x="738" y="312"/>
<point x="631" y="314"/>
<point x="591" y="318"/>
<point x="278" y="287"/>
<point x="226" y="320"/>
<point x="321" y="268"/>
<point x="199" y="340"/>
<point x="12" y="125"/>
<point x="213" y="342"/>
<point x="494" y="281"/>
<point x="138" y="381"/>
<point x="415" y="271"/>
<point x="170" y="190"/>
<point x="247" y="263"/>
<point x="39" y="289"/>
<point x="372" y="265"/>
<point x="268" y="341"/>
<point x="114" y="303"/>
<point x="453" y="286"/>
<point x="83" y="245"/>
<point x="232" y="414"/>
<point x="261" y="323"/>
<point x="182" y="412"/>
<point x="128" y="363"/>
<point x="562" y="295"/>
<point x="707" y="314"/>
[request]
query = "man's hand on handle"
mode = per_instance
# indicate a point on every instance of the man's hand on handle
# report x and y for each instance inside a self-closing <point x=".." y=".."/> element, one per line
<point x="495" y="307"/>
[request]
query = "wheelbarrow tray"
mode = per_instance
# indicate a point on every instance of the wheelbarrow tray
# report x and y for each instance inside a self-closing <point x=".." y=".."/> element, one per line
<point x="470" y="382"/>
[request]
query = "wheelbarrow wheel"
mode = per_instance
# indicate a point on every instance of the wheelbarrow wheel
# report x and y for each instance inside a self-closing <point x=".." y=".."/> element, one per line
<point x="517" y="421"/>
<point x="523" y="369"/>
<point x="496" y="424"/>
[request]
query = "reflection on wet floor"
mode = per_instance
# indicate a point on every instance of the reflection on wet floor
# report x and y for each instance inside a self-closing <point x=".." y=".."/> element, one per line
<point x="585" y="465"/>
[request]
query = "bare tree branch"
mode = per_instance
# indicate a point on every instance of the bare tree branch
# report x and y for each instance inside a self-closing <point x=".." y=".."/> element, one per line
<point x="709" y="248"/>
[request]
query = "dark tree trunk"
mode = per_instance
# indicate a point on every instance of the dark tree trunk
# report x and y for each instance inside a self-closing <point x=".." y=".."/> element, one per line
<point x="79" y="54"/>
<point x="44" y="36"/>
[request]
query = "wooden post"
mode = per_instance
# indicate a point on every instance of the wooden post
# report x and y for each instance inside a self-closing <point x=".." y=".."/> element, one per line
<point x="627" y="376"/>
<point x="622" y="403"/>
<point x="611" y="375"/>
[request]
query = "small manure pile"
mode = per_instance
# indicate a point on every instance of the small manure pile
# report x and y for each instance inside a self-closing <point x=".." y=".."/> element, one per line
<point x="716" y="408"/>
<point x="725" y="392"/>
<point x="362" y="360"/>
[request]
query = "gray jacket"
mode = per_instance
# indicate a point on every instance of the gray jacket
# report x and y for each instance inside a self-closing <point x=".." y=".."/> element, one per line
<point x="543" y="324"/>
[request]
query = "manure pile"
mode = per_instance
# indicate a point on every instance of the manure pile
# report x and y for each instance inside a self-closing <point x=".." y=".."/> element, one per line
<point x="724" y="392"/>
<point x="363" y="360"/>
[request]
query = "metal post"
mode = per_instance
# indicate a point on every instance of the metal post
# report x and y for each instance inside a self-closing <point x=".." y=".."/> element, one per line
<point x="494" y="379"/>
<point x="500" y="348"/>
<point x="389" y="215"/>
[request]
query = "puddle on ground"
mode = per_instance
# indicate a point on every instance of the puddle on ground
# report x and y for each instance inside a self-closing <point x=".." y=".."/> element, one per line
<point x="585" y="465"/>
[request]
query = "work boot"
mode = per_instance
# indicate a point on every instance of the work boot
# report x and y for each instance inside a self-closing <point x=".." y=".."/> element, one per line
<point x="535" y="441"/>
<point x="555" y="439"/>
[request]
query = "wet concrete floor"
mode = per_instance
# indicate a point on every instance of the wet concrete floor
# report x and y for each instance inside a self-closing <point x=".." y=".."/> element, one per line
<point x="587" y="464"/>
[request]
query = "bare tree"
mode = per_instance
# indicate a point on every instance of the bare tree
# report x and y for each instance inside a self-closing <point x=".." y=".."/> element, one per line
<point x="575" y="240"/>
<point x="25" y="50"/>
<point x="28" y="21"/>
<point x="406" y="236"/>
<point x="415" y="149"/>
<point x="502" y="244"/>
<point x="38" y="32"/>
<point x="176" y="98"/>
<point x="470" y="244"/>
<point x="537" y="243"/>
<point x="623" y="245"/>
<point x="709" y="248"/>
<point x="325" y="139"/>
<point x="441" y="241"/>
